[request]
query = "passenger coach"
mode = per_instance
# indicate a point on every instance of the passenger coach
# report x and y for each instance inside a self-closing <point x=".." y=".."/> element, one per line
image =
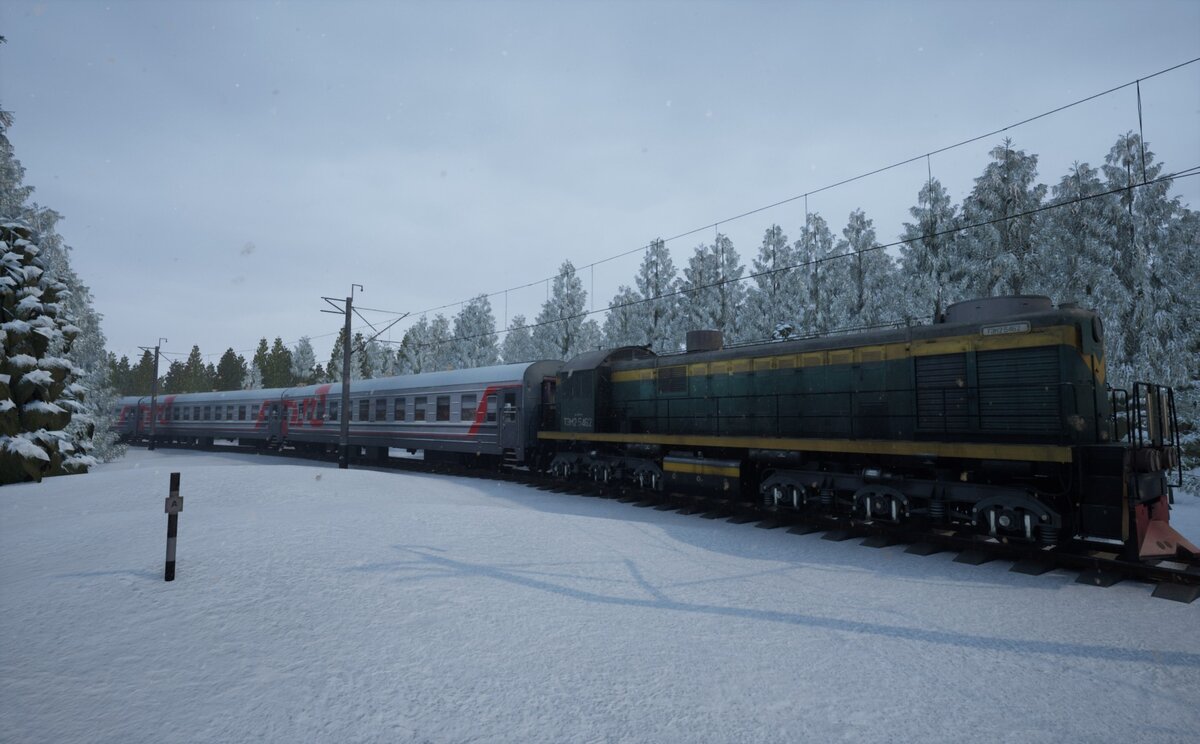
<point x="483" y="412"/>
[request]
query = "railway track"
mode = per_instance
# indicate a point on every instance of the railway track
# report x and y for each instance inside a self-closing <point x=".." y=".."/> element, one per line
<point x="1176" y="580"/>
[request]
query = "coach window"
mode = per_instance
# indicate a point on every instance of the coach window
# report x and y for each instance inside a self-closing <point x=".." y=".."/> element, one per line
<point x="381" y="409"/>
<point x="399" y="409"/>
<point x="510" y="406"/>
<point x="491" y="408"/>
<point x="241" y="413"/>
<point x="208" y="413"/>
<point x="333" y="411"/>
<point x="196" y="413"/>
<point x="321" y="409"/>
<point x="364" y="410"/>
<point x="443" y="408"/>
<point x="419" y="408"/>
<point x="229" y="413"/>
<point x="468" y="407"/>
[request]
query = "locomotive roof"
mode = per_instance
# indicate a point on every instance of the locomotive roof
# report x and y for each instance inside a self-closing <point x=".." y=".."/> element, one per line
<point x="1039" y="319"/>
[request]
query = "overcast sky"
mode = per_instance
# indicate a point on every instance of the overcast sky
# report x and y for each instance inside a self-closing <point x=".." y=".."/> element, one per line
<point x="222" y="165"/>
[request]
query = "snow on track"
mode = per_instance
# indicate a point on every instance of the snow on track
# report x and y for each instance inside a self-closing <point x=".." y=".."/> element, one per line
<point x="315" y="604"/>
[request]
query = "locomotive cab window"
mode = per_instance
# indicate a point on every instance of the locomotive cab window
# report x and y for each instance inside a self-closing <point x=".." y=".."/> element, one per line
<point x="443" y="408"/>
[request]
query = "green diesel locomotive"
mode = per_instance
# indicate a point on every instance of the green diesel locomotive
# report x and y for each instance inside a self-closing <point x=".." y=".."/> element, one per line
<point x="995" y="418"/>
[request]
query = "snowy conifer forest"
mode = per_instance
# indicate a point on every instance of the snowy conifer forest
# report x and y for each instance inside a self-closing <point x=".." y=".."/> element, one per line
<point x="1110" y="237"/>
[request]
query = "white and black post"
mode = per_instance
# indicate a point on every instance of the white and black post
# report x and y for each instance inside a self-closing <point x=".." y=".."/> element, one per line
<point x="173" y="506"/>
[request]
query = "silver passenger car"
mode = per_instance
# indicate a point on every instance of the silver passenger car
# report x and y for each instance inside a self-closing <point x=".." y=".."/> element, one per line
<point x="486" y="411"/>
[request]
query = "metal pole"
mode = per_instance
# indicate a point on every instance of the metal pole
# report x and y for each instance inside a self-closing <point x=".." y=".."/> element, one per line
<point x="344" y="438"/>
<point x="174" y="505"/>
<point x="154" y="401"/>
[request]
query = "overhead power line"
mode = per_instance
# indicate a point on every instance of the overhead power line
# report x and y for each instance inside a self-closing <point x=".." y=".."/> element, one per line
<point x="1186" y="173"/>
<point x="843" y="182"/>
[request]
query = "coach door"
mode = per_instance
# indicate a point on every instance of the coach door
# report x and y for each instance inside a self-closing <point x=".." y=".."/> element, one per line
<point x="275" y="423"/>
<point x="510" y="422"/>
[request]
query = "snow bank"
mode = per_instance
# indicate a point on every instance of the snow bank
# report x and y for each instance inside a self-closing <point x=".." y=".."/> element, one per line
<point x="316" y="604"/>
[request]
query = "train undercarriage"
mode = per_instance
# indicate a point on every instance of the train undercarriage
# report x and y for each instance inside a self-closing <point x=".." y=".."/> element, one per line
<point x="1101" y="499"/>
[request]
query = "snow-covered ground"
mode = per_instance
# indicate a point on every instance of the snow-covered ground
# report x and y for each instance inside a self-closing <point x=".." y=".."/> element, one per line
<point x="314" y="604"/>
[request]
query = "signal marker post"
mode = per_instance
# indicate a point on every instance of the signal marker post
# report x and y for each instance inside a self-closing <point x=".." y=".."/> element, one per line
<point x="173" y="506"/>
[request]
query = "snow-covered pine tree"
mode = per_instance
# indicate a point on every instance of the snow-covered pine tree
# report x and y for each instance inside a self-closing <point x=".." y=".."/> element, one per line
<point x="361" y="363"/>
<point x="120" y="373"/>
<point x="1004" y="245"/>
<point x="195" y="373"/>
<point x="870" y="296"/>
<point x="1185" y="235"/>
<point x="253" y="379"/>
<point x="333" y="370"/>
<point x="475" y="335"/>
<point x="561" y="328"/>
<point x="304" y="360"/>
<point x="87" y="353"/>
<point x="231" y="371"/>
<point x="817" y="274"/>
<point x="518" y="342"/>
<point x="440" y="344"/>
<point x="256" y="376"/>
<point x="712" y="291"/>
<point x="1150" y="339"/>
<point x="386" y="363"/>
<point x="142" y="376"/>
<point x="174" y="380"/>
<point x="657" y="282"/>
<point x="278" y="372"/>
<point x="413" y="354"/>
<point x="1077" y="260"/>
<point x="39" y="394"/>
<point x="932" y="268"/>
<point x="374" y="359"/>
<point x="623" y="326"/>
<point x="772" y="299"/>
